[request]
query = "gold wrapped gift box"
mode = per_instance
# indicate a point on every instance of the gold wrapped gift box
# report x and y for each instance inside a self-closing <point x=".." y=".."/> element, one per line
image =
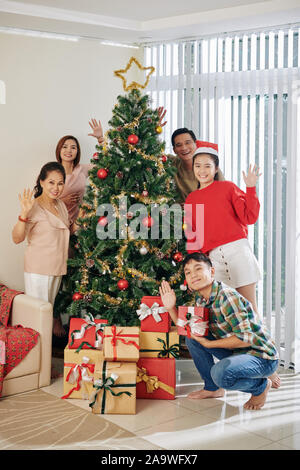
<point x="114" y="390"/>
<point x="79" y="372"/>
<point x="156" y="344"/>
<point x="121" y="343"/>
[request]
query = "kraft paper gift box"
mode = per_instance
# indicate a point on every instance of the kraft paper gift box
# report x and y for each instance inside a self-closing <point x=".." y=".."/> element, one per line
<point x="121" y="343"/>
<point x="156" y="378"/>
<point x="192" y="320"/>
<point x="86" y="333"/>
<point x="79" y="370"/>
<point x="114" y="389"/>
<point x="157" y="344"/>
<point x="153" y="315"/>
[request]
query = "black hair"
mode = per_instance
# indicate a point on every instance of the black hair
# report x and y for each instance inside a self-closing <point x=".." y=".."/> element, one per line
<point x="60" y="145"/>
<point x="47" y="168"/>
<point x="197" y="256"/>
<point x="182" y="130"/>
<point x="215" y="159"/>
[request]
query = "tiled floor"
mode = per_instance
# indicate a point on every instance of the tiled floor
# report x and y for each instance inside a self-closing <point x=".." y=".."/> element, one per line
<point x="212" y="423"/>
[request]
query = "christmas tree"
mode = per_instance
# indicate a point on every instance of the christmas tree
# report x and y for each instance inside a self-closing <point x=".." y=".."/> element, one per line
<point x="131" y="234"/>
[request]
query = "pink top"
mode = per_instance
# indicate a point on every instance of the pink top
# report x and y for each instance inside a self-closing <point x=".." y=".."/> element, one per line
<point x="48" y="241"/>
<point x="75" y="183"/>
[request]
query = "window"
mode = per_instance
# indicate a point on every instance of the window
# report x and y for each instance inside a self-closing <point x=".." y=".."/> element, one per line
<point x="242" y="92"/>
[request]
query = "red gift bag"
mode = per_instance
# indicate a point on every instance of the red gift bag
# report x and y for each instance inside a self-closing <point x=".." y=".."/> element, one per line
<point x="193" y="320"/>
<point x="156" y="378"/>
<point x="86" y="333"/>
<point x="153" y="315"/>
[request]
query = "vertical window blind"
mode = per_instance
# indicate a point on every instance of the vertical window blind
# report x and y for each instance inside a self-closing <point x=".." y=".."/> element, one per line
<point x="242" y="91"/>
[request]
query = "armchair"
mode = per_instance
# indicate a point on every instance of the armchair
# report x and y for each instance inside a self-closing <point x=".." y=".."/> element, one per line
<point x="35" y="369"/>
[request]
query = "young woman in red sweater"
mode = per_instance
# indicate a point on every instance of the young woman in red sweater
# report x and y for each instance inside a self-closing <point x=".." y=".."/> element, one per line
<point x="227" y="211"/>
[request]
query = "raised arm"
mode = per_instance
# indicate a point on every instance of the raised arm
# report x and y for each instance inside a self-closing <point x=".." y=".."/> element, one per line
<point x="168" y="298"/>
<point x="97" y="130"/>
<point x="246" y="205"/>
<point x="26" y="202"/>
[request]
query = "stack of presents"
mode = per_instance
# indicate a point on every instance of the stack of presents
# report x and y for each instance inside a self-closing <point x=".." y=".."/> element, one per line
<point x="112" y="366"/>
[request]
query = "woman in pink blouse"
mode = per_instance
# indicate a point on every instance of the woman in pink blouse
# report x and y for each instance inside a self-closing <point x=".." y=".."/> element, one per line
<point x="68" y="153"/>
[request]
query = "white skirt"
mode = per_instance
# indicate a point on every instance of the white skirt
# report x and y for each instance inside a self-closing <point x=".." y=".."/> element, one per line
<point x="235" y="264"/>
<point x="41" y="286"/>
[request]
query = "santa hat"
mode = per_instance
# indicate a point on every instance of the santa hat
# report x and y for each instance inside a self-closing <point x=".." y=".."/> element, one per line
<point x="206" y="147"/>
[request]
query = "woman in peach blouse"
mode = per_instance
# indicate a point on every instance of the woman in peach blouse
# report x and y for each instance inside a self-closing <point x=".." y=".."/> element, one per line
<point x="45" y="222"/>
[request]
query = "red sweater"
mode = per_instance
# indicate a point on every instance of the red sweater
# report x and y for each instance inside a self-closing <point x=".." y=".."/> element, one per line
<point x="227" y="212"/>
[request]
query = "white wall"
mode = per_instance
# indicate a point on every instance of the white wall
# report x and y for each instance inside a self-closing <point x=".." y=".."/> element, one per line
<point x="53" y="88"/>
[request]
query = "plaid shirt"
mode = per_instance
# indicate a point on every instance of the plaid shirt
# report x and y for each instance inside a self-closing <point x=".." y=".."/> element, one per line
<point x="231" y="314"/>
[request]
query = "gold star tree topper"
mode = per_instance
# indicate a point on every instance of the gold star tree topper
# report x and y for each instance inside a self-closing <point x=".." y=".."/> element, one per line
<point x="124" y="74"/>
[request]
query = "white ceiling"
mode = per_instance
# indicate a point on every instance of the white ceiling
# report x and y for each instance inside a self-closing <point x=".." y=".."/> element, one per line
<point x="141" y="21"/>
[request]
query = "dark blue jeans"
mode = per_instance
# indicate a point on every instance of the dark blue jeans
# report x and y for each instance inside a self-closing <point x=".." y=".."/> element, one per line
<point x="242" y="372"/>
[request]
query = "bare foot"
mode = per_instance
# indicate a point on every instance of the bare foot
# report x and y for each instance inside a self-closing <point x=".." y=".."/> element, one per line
<point x="58" y="329"/>
<point x="257" y="402"/>
<point x="199" y="394"/>
<point x="275" y="379"/>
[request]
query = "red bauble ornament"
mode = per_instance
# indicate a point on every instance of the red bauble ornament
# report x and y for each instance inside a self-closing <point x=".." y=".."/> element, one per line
<point x="123" y="284"/>
<point x="148" y="221"/>
<point x="77" y="296"/>
<point x="178" y="257"/>
<point x="102" y="221"/>
<point x="96" y="156"/>
<point x="102" y="173"/>
<point x="132" y="139"/>
<point x="164" y="158"/>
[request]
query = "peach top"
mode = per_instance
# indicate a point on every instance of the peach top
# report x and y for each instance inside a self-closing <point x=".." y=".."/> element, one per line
<point x="48" y="241"/>
<point x="75" y="183"/>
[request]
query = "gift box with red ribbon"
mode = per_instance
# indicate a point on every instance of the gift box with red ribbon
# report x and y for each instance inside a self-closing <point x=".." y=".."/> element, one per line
<point x="193" y="320"/>
<point x="153" y="315"/>
<point x="86" y="333"/>
<point x="121" y="343"/>
<point x="79" y="370"/>
<point x="156" y="378"/>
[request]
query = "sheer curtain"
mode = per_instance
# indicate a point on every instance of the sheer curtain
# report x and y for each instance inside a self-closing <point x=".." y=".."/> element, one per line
<point x="242" y="91"/>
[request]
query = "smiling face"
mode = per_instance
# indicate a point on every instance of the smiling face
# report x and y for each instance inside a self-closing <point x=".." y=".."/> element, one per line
<point x="204" y="169"/>
<point x="68" y="151"/>
<point x="53" y="185"/>
<point x="199" y="275"/>
<point x="184" y="146"/>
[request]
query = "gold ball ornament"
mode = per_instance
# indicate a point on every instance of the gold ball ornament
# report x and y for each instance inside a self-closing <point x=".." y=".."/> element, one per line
<point x="159" y="129"/>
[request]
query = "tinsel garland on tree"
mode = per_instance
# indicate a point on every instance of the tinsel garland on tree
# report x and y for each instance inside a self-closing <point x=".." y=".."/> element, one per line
<point x="109" y="277"/>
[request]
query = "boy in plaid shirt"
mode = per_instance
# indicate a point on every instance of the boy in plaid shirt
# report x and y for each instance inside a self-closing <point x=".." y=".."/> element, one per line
<point x="247" y="356"/>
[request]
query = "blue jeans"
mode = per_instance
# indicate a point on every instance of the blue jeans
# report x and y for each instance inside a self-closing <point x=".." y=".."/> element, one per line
<point x="242" y="372"/>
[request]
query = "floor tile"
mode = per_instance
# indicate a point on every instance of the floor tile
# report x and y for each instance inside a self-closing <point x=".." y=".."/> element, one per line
<point x="149" y="413"/>
<point x="292" y="441"/>
<point x="196" y="432"/>
<point x="275" y="446"/>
